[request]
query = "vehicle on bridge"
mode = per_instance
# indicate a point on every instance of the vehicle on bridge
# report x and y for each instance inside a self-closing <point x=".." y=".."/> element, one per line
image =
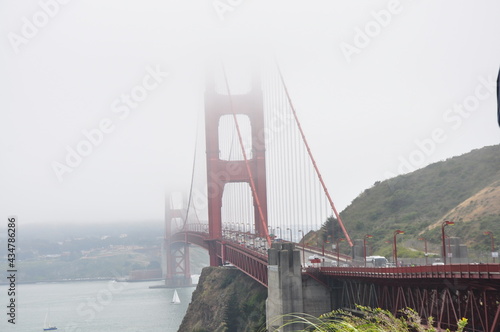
<point x="315" y="261"/>
<point x="437" y="263"/>
<point x="376" y="261"/>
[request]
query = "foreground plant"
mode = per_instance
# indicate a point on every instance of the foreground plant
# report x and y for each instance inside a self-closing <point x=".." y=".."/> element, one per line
<point x="368" y="320"/>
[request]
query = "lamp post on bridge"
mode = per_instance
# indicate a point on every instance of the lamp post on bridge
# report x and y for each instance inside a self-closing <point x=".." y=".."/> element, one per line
<point x="328" y="240"/>
<point x="395" y="247"/>
<point x="241" y="231"/>
<point x="425" y="246"/>
<point x="249" y="233"/>
<point x="443" y="225"/>
<point x="303" y="249"/>
<point x="492" y="244"/>
<point x="270" y="232"/>
<point x="289" y="229"/>
<point x="277" y="227"/>
<point x="449" y="254"/>
<point x="338" y="250"/>
<point x="367" y="236"/>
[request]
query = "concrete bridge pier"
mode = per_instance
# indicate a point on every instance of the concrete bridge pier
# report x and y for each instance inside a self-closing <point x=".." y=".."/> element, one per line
<point x="284" y="292"/>
<point x="291" y="292"/>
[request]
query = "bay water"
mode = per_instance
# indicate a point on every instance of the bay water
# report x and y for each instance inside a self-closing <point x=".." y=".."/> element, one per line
<point x="104" y="306"/>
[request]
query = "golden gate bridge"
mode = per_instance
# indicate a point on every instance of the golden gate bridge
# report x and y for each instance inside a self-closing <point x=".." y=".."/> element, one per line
<point x="264" y="192"/>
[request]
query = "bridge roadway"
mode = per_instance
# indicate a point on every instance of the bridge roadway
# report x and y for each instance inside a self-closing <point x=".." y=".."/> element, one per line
<point x="248" y="258"/>
<point x="445" y="292"/>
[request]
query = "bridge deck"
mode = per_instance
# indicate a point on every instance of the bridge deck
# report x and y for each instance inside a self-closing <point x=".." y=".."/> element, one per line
<point x="454" y="271"/>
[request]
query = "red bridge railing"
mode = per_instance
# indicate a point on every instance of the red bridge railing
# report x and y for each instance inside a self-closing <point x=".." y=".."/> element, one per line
<point x="455" y="271"/>
<point x="248" y="259"/>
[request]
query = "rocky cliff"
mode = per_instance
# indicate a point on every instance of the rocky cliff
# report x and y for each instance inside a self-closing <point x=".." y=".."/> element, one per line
<point x="225" y="300"/>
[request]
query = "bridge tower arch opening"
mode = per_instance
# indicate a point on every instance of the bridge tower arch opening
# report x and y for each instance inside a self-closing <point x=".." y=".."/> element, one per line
<point x="220" y="170"/>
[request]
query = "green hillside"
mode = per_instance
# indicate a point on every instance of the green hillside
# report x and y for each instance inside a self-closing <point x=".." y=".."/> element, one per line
<point x="465" y="189"/>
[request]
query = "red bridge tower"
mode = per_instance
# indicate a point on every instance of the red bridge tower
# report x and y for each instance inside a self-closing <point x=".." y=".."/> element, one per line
<point x="178" y="273"/>
<point x="220" y="172"/>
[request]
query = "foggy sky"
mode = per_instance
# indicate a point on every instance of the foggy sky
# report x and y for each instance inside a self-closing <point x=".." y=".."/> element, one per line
<point x="381" y="87"/>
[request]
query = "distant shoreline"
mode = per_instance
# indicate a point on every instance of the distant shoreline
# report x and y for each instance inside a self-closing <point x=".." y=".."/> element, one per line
<point x="88" y="279"/>
<point x="67" y="280"/>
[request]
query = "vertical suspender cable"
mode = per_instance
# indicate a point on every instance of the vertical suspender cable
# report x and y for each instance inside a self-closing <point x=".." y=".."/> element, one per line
<point x="304" y="184"/>
<point x="289" y="164"/>
<point x="325" y="189"/>
<point x="192" y="176"/>
<point x="296" y="165"/>
<point x="271" y="167"/>
<point x="282" y="155"/>
<point x="281" y="161"/>
<point x="289" y="150"/>
<point x="269" y="170"/>
<point x="312" y="183"/>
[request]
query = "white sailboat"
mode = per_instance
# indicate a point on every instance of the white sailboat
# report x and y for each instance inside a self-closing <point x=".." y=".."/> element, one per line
<point x="47" y="326"/>
<point x="175" y="298"/>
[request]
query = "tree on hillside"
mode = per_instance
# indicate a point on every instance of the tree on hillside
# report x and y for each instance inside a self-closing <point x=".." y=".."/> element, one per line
<point x="331" y="230"/>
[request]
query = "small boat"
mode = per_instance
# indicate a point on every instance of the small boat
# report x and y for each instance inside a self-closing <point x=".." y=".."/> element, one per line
<point x="175" y="298"/>
<point x="47" y="326"/>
